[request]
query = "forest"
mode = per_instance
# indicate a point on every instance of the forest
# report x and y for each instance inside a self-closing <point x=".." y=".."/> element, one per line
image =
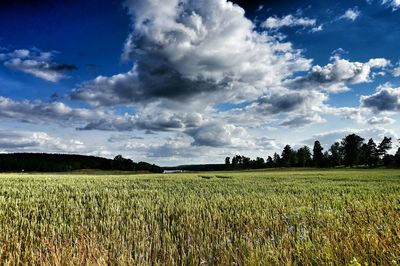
<point x="45" y="162"/>
<point x="351" y="151"/>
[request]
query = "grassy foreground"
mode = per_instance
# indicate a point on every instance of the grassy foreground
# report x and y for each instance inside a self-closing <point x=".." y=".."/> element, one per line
<point x="233" y="218"/>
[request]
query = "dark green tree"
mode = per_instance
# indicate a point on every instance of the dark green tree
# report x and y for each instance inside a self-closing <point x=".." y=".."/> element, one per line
<point x="336" y="156"/>
<point x="286" y="155"/>
<point x="277" y="160"/>
<point x="227" y="161"/>
<point x="371" y="153"/>
<point x="318" y="156"/>
<point x="397" y="158"/>
<point x="384" y="146"/>
<point x="270" y="162"/>
<point x="351" y="149"/>
<point x="304" y="157"/>
<point x="245" y="162"/>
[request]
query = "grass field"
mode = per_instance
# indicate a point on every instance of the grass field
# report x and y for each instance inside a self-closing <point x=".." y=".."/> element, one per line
<point x="227" y="218"/>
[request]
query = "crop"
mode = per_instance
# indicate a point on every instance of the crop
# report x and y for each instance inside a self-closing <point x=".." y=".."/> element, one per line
<point x="228" y="218"/>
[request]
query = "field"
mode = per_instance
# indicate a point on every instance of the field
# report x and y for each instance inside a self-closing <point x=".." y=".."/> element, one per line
<point x="294" y="217"/>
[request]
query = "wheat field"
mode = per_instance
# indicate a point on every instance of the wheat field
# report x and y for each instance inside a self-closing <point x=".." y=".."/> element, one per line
<point x="296" y="217"/>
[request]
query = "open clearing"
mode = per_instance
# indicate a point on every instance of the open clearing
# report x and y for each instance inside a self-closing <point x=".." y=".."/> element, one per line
<point x="222" y="218"/>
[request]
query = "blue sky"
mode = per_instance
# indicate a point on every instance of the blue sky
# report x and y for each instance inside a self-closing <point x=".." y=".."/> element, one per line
<point x="195" y="81"/>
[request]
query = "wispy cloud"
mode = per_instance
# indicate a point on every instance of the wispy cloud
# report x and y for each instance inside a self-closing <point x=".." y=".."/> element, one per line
<point x="36" y="63"/>
<point x="351" y="14"/>
<point x="395" y="4"/>
<point x="290" y="21"/>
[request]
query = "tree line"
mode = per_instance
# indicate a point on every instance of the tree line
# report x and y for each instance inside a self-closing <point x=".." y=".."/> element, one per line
<point x="349" y="152"/>
<point x="44" y="162"/>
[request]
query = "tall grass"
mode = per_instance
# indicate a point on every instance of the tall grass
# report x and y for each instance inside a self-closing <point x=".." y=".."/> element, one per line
<point x="232" y="218"/>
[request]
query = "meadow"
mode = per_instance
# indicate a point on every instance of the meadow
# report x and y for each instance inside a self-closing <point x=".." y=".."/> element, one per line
<point x="277" y="217"/>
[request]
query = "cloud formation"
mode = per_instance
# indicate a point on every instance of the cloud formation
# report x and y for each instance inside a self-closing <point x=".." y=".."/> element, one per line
<point x="190" y="50"/>
<point x="351" y="14"/>
<point x="42" y="112"/>
<point x="395" y="4"/>
<point x="290" y="21"/>
<point x="384" y="120"/>
<point x="220" y="135"/>
<point x="384" y="99"/>
<point x="37" y="63"/>
<point x="335" y="76"/>
<point x="36" y="141"/>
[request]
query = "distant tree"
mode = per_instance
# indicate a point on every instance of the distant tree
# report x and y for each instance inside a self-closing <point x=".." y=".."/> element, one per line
<point x="286" y="156"/>
<point x="325" y="159"/>
<point x="336" y="156"/>
<point x="317" y="154"/>
<point x="260" y="163"/>
<point x="304" y="157"/>
<point x="389" y="160"/>
<point x="362" y="158"/>
<point x="228" y="161"/>
<point x="351" y="149"/>
<point x="257" y="163"/>
<point x="234" y="161"/>
<point x="397" y="158"/>
<point x="270" y="162"/>
<point x="237" y="161"/>
<point x="245" y="162"/>
<point x="371" y="153"/>
<point x="277" y="160"/>
<point x="384" y="146"/>
<point x="120" y="163"/>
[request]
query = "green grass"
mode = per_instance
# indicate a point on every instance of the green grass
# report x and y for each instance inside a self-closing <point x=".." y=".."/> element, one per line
<point x="304" y="217"/>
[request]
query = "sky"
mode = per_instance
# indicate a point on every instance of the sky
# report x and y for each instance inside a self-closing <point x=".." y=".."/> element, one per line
<point x="187" y="82"/>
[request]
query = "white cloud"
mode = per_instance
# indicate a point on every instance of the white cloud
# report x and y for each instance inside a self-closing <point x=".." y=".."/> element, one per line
<point x="396" y="70"/>
<point x="217" y="134"/>
<point x="335" y="76"/>
<point x="194" y="49"/>
<point x="37" y="63"/>
<point x="12" y="141"/>
<point x="395" y="4"/>
<point x="380" y="120"/>
<point x="42" y="112"/>
<point x="288" y="21"/>
<point x="300" y="120"/>
<point x="385" y="99"/>
<point x="351" y="14"/>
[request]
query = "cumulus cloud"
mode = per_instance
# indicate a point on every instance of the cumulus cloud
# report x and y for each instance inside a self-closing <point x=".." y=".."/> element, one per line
<point x="152" y="118"/>
<point x="41" y="112"/>
<point x="335" y="76"/>
<point x="290" y="21"/>
<point x="273" y="108"/>
<point x="302" y="120"/>
<point x="395" y="4"/>
<point x="194" y="49"/>
<point x="396" y="70"/>
<point x="12" y="141"/>
<point x="220" y="135"/>
<point x="352" y="113"/>
<point x="351" y="14"/>
<point x="37" y="63"/>
<point x="380" y="120"/>
<point x="384" y="99"/>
